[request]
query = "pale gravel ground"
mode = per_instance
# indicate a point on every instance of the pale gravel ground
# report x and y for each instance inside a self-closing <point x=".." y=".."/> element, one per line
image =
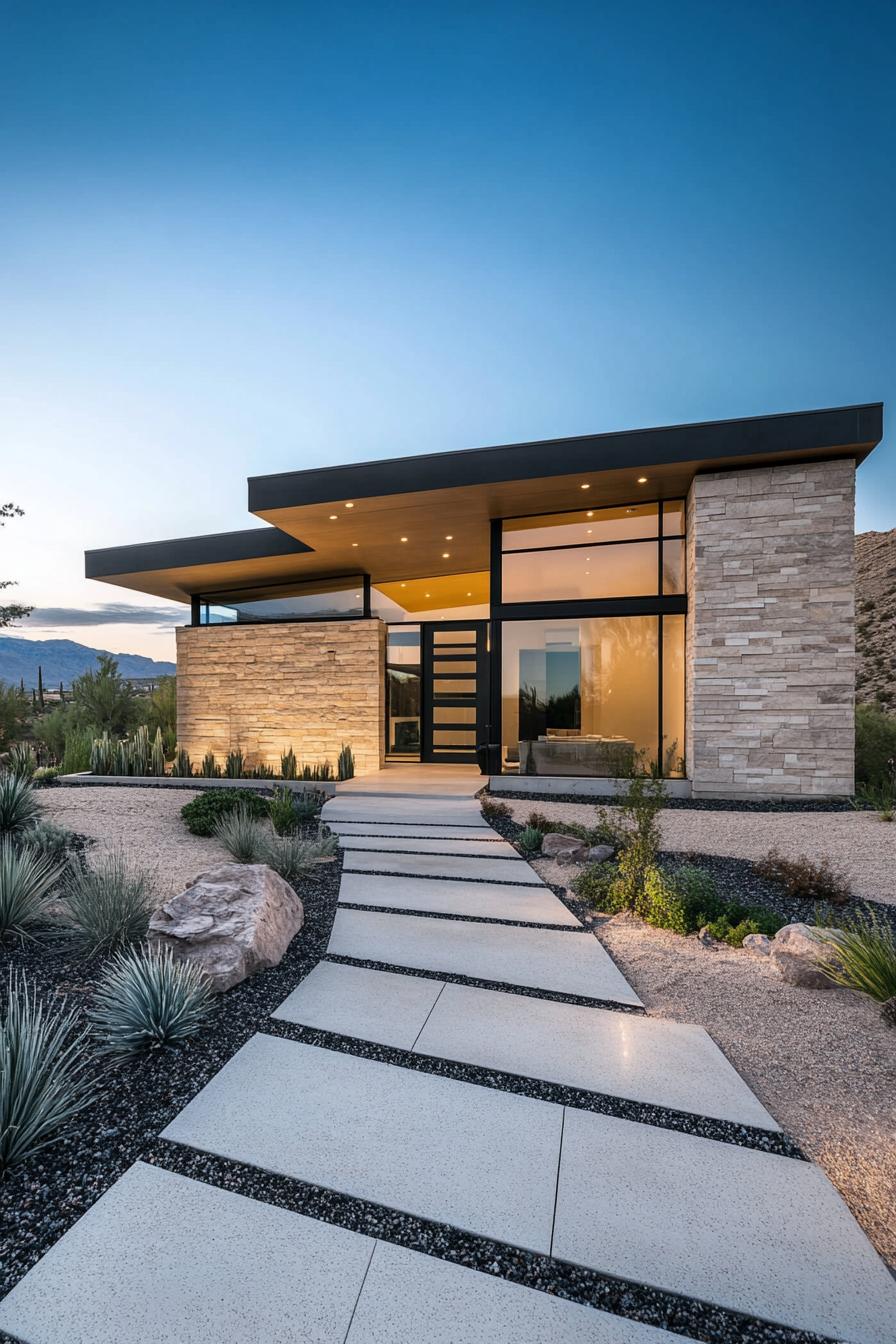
<point x="146" y="823"/>
<point x="858" y="843"/>
<point x="821" y="1061"/>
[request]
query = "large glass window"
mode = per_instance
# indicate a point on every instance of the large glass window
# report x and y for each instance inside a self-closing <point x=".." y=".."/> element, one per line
<point x="403" y="691"/>
<point x="581" y="696"/>
<point x="318" y="599"/>
<point x="633" y="551"/>
<point x="451" y="597"/>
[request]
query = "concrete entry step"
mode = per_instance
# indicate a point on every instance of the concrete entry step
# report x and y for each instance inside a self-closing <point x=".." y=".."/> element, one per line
<point x="641" y="1059"/>
<point x="474" y="834"/>
<point x="431" y="865"/>
<point x="160" y="1257"/>
<point x="400" y="844"/>
<point x="441" y="812"/>
<point x="545" y="959"/>
<point x="748" y="1230"/>
<point x="482" y="900"/>
<point x="483" y="1161"/>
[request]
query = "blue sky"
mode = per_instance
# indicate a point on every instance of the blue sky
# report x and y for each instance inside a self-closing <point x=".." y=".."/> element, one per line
<point x="238" y="239"/>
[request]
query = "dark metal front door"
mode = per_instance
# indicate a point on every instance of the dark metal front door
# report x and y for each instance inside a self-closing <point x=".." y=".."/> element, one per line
<point x="454" y="667"/>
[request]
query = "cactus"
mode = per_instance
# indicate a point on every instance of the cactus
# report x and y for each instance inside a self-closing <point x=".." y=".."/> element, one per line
<point x="157" y="755"/>
<point x="288" y="764"/>
<point x="210" y="768"/>
<point x="345" y="766"/>
<point x="40" y="686"/>
<point x="102" y="756"/>
<point x="235" y="764"/>
<point x="183" y="766"/>
<point x="262" y="772"/>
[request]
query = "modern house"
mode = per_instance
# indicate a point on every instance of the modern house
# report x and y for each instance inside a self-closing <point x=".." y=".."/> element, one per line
<point x="681" y="596"/>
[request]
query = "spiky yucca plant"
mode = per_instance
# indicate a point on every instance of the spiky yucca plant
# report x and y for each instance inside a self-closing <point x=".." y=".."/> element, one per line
<point x="234" y="764"/>
<point x="43" y="1074"/>
<point x="245" y="839"/>
<point x="18" y="806"/>
<point x="26" y="879"/>
<point x="210" y="768"/>
<point x="147" y="999"/>
<point x="182" y="768"/>
<point x="345" y="766"/>
<point x="107" y="905"/>
<point x="288" y="764"/>
<point x="22" y="760"/>
<point x="862" y="956"/>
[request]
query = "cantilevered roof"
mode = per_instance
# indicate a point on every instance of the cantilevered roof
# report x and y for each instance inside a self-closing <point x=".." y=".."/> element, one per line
<point x="427" y="516"/>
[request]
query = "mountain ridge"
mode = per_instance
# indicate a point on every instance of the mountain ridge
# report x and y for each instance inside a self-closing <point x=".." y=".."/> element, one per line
<point x="61" y="660"/>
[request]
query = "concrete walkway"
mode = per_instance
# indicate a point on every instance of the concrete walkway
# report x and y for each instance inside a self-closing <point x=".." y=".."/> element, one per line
<point x="452" y="1063"/>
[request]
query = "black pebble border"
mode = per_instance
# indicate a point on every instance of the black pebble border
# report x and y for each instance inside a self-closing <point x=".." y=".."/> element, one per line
<point x="580" y="1000"/>
<point x="460" y="919"/>
<point x="602" y="1103"/>
<point x="697" y="804"/>
<point x="688" y="1316"/>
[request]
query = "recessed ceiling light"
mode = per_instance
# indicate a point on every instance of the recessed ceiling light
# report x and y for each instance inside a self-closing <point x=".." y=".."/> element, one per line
<point x="357" y="594"/>
<point x="642" y="480"/>
<point x="404" y="585"/>
<point x="449" y="537"/>
<point x="354" y="543"/>
<point x="590" y="513"/>
<point x="469" y="594"/>
<point x="350" y="504"/>
<point x="404" y="538"/>
<point x="426" y="594"/>
<point x="586" y="486"/>
<point x="446" y="555"/>
<point x="333" y="517"/>
<point x="589" y="530"/>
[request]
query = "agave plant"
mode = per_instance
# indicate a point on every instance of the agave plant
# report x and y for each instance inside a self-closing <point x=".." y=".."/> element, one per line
<point x="288" y="764"/>
<point x="862" y="956"/>
<point x="44" y="1079"/>
<point x="18" y="806"/>
<point x="26" y="879"/>
<point x="22" y="760"/>
<point x="106" y="905"/>
<point x="146" y="999"/>
<point x="294" y="858"/>
<point x="530" y="839"/>
<point x="245" y="839"/>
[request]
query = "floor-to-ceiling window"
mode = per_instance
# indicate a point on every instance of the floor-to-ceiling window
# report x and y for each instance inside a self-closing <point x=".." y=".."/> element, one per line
<point x="592" y="670"/>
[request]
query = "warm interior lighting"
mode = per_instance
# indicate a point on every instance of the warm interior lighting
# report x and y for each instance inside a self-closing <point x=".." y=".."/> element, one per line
<point x="590" y="513"/>
<point x="404" y="538"/>
<point x="333" y="517"/>
<point x="354" y="543"/>
<point x="350" y="505"/>
<point x="449" y="537"/>
<point x="642" y="480"/>
<point x="446" y="555"/>
<point x="427" y="594"/>
<point x="586" y="486"/>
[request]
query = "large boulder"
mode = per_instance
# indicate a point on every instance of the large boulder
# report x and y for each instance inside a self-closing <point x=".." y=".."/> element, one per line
<point x="233" y="920"/>
<point x="563" y="847"/>
<point x="796" y="952"/>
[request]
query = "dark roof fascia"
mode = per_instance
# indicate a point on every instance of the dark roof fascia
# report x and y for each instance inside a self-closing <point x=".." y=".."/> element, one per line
<point x="253" y="543"/>
<point x="854" y="429"/>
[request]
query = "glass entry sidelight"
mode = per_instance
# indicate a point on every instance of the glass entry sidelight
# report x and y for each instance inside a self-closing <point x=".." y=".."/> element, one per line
<point x="455" y="690"/>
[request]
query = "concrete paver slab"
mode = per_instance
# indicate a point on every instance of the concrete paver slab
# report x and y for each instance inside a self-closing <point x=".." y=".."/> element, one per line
<point x="482" y="1160"/>
<point x="356" y="1001"/>
<point x="425" y="844"/>
<point x="566" y="963"/>
<point x="484" y="900"/>
<point x="433" y="865"/>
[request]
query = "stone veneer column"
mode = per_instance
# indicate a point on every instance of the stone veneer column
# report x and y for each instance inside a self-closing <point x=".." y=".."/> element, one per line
<point x="310" y="685"/>
<point x="771" y="631"/>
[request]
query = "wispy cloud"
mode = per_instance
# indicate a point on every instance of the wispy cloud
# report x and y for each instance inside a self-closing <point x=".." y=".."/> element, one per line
<point x="109" y="613"/>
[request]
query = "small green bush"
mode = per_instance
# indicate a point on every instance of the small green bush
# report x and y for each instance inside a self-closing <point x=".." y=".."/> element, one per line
<point x="45" y="775"/>
<point x="246" y="839"/>
<point x="875" y="748"/>
<point x="282" y="810"/>
<point x="146" y="999"/>
<point x="493" y="807"/>
<point x="529" y="840"/>
<point x="26" y="879"/>
<point x="18" y="805"/>
<point x="106" y="905"/>
<point x="49" y="839"/>
<point x="736" y="925"/>
<point x="609" y="829"/>
<point x="595" y="883"/>
<point x="682" y="900"/>
<point x="43" y="1074"/>
<point x="294" y="858"/>
<point x="863" y="957"/>
<point x="202" y="814"/>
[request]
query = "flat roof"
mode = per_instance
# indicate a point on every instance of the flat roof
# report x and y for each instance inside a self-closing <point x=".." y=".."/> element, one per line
<point x="427" y="516"/>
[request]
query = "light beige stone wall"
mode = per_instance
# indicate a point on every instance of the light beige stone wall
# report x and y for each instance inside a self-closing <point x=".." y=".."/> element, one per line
<point x="311" y="685"/>
<point x="771" y="631"/>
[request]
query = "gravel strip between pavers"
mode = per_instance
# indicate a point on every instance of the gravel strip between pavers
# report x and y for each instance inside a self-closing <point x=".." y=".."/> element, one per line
<point x="462" y="919"/>
<point x="660" y="1117"/>
<point x="688" y="1316"/>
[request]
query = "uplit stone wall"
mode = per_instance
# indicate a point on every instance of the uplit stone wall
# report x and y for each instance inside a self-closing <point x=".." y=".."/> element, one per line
<point x="312" y="686"/>
<point x="771" y="631"/>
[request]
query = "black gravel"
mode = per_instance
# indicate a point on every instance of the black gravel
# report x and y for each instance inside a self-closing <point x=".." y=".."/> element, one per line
<point x="700" y="804"/>
<point x="688" y="1316"/>
<point x="41" y="1199"/>
<point x="660" y="1117"/>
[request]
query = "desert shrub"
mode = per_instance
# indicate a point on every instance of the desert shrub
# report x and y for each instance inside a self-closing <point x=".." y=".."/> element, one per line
<point x="244" y="837"/>
<point x="735" y="925"/>
<point x="804" y="880"/>
<point x="594" y="884"/>
<point x="529" y="840"/>
<point x="234" y="764"/>
<point x="26" y="879"/>
<point x="103" y="700"/>
<point x="294" y="858"/>
<point x="540" y="822"/>
<point x="43" y="1074"/>
<point x="14" y="712"/>
<point x="45" y="775"/>
<point x="18" y="806"/>
<point x="609" y="829"/>
<point x="146" y="999"/>
<point x="50" y="730"/>
<point x="345" y="764"/>
<point x="160" y="708"/>
<point x="201" y="815"/>
<point x="682" y="900"/>
<point x="106" y="905"/>
<point x="209" y="769"/>
<point x="78" y="747"/>
<point x="493" y="807"/>
<point x="289" y="809"/>
<point x="288" y="764"/>
<point x="308" y="803"/>
<point x="875" y="748"/>
<point x="863" y="957"/>
<point x="49" y="839"/>
<point x="22" y="761"/>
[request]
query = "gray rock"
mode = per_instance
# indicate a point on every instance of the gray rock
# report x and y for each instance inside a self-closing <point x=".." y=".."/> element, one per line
<point x="758" y="943"/>
<point x="600" y="853"/>
<point x="554" y="845"/>
<point x="705" y="937"/>
<point x="796" y="952"/>
<point x="233" y="920"/>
